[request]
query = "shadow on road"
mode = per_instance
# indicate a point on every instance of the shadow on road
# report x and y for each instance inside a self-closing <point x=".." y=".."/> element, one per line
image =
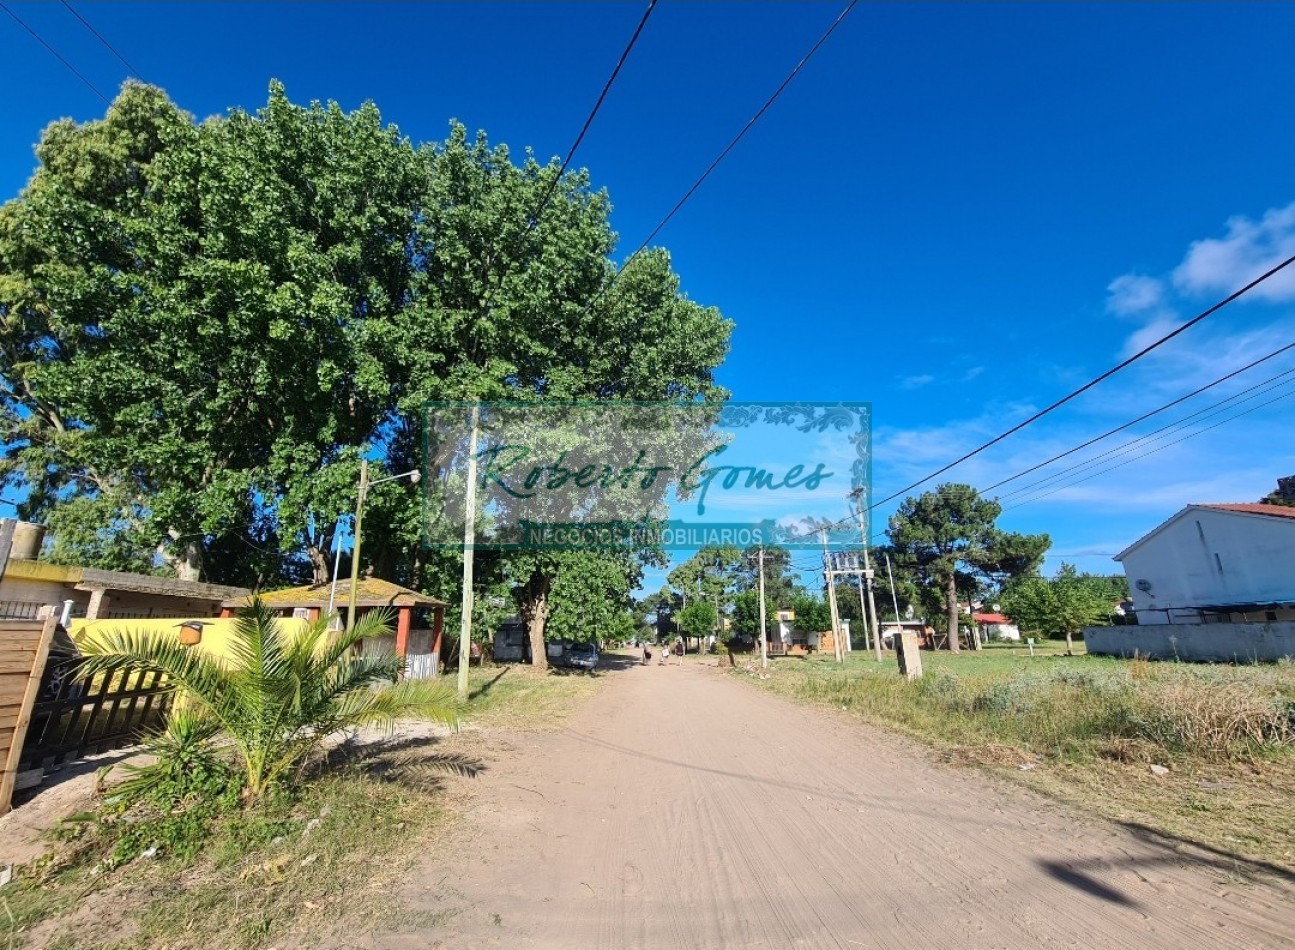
<point x="1188" y="850"/>
<point x="1088" y="884"/>
<point x="1170" y="849"/>
<point x="619" y="662"/>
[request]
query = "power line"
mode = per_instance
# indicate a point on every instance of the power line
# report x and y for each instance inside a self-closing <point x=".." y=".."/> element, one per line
<point x="533" y="219"/>
<point x="1142" y="418"/>
<point x="55" y="53"/>
<point x="1137" y="458"/>
<point x="1250" y="393"/>
<point x="607" y="86"/>
<point x="1141" y="439"/>
<point x="804" y="60"/>
<point x="112" y="49"/>
<point x="1089" y="385"/>
<point x="750" y="123"/>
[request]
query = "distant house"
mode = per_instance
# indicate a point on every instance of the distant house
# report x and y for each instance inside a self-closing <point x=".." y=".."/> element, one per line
<point x="996" y="627"/>
<point x="794" y="641"/>
<point x="925" y="633"/>
<point x="420" y="619"/>
<point x="1212" y="563"/>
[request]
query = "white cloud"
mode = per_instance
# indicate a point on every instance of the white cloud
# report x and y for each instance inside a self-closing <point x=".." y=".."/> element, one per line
<point x="915" y="382"/>
<point x="1248" y="249"/>
<point x="972" y="373"/>
<point x="1147" y="334"/>
<point x="1134" y="295"/>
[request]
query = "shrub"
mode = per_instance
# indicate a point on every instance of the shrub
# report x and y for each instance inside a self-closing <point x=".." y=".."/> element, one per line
<point x="276" y="701"/>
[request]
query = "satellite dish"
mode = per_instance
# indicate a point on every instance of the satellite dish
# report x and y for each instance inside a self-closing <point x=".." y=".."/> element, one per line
<point x="1143" y="585"/>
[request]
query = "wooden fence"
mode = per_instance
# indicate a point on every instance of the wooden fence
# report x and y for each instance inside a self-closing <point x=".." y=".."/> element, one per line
<point x="48" y="716"/>
<point x="24" y="646"/>
<point x="72" y="719"/>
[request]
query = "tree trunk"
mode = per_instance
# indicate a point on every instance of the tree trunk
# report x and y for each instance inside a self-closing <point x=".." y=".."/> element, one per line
<point x="951" y="598"/>
<point x="1070" y="644"/>
<point x="184" y="558"/>
<point x="321" y="572"/>
<point x="533" y="606"/>
<point x="535" y="631"/>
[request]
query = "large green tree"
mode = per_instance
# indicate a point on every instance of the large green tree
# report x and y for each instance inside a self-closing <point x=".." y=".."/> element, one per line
<point x="574" y="595"/>
<point x="1058" y="606"/>
<point x="183" y="310"/>
<point x="949" y="540"/>
<point x="205" y="326"/>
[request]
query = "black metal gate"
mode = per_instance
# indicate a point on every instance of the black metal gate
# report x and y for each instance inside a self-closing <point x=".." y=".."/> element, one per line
<point x="72" y="718"/>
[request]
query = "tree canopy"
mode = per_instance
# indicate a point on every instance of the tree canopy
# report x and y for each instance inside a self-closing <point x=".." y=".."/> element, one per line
<point x="949" y="542"/>
<point x="204" y="327"/>
<point x="1060" y="606"/>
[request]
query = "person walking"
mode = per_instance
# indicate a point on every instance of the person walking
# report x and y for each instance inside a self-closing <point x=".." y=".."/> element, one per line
<point x="647" y="654"/>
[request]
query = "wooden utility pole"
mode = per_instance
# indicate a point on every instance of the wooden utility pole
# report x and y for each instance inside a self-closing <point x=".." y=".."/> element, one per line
<point x="893" y="598"/>
<point x="866" y="579"/>
<point x="764" y="642"/>
<point x="863" y="614"/>
<point x="355" y="544"/>
<point x="830" y="576"/>
<point x="469" y="541"/>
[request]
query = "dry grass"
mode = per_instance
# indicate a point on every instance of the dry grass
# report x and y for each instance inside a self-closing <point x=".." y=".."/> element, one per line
<point x="311" y="864"/>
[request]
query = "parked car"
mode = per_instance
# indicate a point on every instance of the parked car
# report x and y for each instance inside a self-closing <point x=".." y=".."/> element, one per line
<point x="581" y="656"/>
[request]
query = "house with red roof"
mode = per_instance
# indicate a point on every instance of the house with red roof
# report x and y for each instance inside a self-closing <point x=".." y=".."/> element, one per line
<point x="1215" y="563"/>
<point x="996" y="626"/>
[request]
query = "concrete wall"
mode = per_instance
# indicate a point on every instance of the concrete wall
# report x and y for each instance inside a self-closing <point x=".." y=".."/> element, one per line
<point x="1208" y="642"/>
<point x="1205" y="557"/>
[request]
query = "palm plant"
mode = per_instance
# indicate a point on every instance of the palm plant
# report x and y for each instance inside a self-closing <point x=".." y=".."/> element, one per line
<point x="279" y="695"/>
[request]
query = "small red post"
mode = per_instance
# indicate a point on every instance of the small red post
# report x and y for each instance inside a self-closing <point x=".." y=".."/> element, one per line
<point x="402" y="631"/>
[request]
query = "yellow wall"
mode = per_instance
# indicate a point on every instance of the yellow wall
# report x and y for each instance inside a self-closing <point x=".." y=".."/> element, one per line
<point x="215" y="635"/>
<point x="42" y="571"/>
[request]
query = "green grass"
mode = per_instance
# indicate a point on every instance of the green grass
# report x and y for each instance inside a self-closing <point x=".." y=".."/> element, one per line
<point x="1088" y="728"/>
<point x="515" y="696"/>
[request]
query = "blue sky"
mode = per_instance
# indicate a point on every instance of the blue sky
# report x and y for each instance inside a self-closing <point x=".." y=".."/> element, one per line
<point x="958" y="211"/>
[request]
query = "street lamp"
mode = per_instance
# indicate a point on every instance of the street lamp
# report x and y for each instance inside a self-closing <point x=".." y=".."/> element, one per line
<point x="414" y="476"/>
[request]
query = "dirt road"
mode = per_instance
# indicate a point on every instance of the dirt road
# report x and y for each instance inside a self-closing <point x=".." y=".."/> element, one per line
<point x="685" y="809"/>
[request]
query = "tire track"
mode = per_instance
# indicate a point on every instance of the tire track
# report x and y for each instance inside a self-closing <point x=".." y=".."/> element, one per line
<point x="684" y="809"/>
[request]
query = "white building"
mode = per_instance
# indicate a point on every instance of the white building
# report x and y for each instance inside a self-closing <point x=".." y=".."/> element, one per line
<point x="1215" y="563"/>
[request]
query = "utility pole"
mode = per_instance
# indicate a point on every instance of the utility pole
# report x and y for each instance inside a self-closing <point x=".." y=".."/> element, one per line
<point x="863" y="613"/>
<point x="719" y="624"/>
<point x="867" y="579"/>
<point x="764" y="642"/>
<point x="337" y="563"/>
<point x="355" y="544"/>
<point x="893" y="599"/>
<point x="469" y="541"/>
<point x="830" y="576"/>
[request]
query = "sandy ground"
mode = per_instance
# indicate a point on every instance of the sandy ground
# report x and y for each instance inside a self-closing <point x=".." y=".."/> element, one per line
<point x="65" y="791"/>
<point x="685" y="808"/>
